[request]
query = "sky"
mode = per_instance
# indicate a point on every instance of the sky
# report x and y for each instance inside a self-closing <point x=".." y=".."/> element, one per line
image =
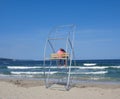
<point x="25" y="24"/>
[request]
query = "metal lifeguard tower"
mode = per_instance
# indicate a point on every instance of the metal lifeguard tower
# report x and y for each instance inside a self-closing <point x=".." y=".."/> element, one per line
<point x="59" y="37"/>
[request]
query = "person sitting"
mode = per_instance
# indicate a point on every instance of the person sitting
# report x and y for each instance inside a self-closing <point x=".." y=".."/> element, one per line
<point x="61" y="53"/>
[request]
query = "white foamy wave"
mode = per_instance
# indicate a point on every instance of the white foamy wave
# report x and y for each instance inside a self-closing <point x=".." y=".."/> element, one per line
<point x="23" y="67"/>
<point x="35" y="67"/>
<point x="32" y="73"/>
<point x="115" y="67"/>
<point x="94" y="67"/>
<point x="61" y="67"/>
<point x="98" y="72"/>
<point x="89" y="64"/>
<point x="81" y="67"/>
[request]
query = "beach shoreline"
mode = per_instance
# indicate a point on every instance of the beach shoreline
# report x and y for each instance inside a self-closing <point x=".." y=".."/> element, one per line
<point x="14" y="88"/>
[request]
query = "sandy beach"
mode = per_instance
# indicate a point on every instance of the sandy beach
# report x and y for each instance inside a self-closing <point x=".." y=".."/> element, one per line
<point x="35" y="89"/>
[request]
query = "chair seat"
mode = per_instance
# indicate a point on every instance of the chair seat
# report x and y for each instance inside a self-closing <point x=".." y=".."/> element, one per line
<point x="56" y="56"/>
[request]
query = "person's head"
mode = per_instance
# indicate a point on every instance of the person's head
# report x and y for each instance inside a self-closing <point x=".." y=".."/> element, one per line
<point x="61" y="49"/>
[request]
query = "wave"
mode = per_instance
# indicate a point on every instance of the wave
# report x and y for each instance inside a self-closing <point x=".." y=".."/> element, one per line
<point x="61" y="67"/>
<point x="94" y="67"/>
<point x="115" y="67"/>
<point x="89" y="64"/>
<point x="54" y="67"/>
<point x="100" y="67"/>
<point x="81" y="67"/>
<point x="98" y="72"/>
<point x="23" y="67"/>
<point x="32" y="73"/>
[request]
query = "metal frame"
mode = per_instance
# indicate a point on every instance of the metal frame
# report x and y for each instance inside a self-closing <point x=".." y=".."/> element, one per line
<point x="53" y="36"/>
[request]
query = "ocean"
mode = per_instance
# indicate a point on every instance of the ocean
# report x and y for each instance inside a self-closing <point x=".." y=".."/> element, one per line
<point x="84" y="70"/>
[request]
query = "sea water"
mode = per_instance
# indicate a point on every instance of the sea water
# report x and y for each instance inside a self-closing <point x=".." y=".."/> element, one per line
<point x="84" y="70"/>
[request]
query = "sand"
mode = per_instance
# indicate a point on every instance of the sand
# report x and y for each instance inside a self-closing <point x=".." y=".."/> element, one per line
<point x="35" y="89"/>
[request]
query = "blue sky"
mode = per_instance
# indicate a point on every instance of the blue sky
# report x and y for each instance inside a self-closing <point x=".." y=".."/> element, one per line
<point x="24" y="26"/>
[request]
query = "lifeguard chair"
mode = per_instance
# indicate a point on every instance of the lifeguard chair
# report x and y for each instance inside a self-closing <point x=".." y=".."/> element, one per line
<point x="59" y="37"/>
